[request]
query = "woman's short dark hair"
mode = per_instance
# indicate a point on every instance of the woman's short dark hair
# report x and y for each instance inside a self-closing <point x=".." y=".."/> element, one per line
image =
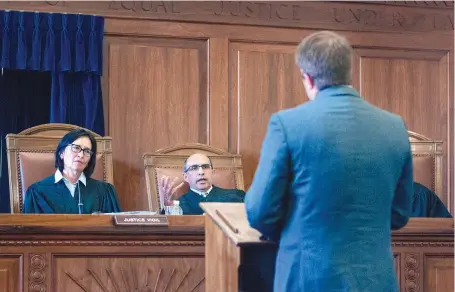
<point x="69" y="139"/>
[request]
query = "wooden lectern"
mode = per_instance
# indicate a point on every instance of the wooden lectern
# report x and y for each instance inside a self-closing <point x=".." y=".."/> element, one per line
<point x="236" y="258"/>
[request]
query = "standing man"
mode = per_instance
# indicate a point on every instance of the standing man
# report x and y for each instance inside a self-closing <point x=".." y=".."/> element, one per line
<point x="334" y="178"/>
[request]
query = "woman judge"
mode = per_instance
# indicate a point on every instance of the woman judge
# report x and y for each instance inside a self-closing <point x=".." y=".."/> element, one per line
<point x="71" y="190"/>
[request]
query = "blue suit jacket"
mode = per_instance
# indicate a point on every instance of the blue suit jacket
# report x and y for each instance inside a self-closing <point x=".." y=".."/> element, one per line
<point x="334" y="177"/>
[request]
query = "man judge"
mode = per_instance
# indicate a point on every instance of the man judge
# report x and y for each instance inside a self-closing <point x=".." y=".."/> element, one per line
<point x="198" y="173"/>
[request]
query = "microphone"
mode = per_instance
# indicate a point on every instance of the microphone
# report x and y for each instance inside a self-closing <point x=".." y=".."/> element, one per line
<point x="80" y="205"/>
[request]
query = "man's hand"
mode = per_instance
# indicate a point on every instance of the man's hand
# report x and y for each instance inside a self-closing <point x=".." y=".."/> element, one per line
<point x="167" y="189"/>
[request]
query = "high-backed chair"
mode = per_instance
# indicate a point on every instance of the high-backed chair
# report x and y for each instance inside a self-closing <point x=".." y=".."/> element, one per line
<point x="427" y="163"/>
<point x="31" y="158"/>
<point x="426" y="154"/>
<point x="228" y="170"/>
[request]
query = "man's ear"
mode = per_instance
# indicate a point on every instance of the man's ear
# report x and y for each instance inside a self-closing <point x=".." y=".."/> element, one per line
<point x="309" y="80"/>
<point x="185" y="176"/>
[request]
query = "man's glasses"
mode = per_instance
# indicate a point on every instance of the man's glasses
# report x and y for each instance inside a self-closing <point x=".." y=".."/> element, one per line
<point x="195" y="167"/>
<point x="77" y="149"/>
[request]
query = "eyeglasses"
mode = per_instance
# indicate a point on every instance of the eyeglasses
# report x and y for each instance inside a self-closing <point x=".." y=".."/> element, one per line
<point x="195" y="167"/>
<point x="77" y="149"/>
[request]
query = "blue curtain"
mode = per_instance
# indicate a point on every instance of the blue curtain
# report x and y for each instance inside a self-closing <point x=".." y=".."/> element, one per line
<point x="70" y="47"/>
<point x="52" y="67"/>
<point x="76" y="98"/>
<point x="24" y="103"/>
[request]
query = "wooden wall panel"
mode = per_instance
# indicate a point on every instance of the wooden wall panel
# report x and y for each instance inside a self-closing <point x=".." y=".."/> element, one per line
<point x="397" y="264"/>
<point x="219" y="92"/>
<point x="264" y="80"/>
<point x="157" y="98"/>
<point x="413" y="84"/>
<point x="128" y="273"/>
<point x="437" y="270"/>
<point x="10" y="273"/>
<point x="252" y="74"/>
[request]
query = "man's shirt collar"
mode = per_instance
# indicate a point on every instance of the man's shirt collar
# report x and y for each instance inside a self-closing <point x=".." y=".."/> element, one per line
<point x="204" y="194"/>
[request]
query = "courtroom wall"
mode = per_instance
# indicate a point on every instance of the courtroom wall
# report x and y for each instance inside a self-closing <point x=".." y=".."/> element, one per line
<point x="214" y="72"/>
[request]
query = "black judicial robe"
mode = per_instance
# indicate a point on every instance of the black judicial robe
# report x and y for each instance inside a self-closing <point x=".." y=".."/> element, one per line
<point x="48" y="197"/>
<point x="189" y="202"/>
<point x="427" y="204"/>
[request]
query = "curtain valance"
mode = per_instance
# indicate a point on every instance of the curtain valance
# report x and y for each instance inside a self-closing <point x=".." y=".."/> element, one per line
<point x="51" y="42"/>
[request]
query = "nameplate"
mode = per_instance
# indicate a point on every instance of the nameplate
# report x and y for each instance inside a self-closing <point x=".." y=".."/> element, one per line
<point x="141" y="220"/>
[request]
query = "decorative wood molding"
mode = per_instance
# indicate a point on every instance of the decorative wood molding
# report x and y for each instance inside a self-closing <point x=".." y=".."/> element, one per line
<point x="127" y="278"/>
<point x="37" y="278"/>
<point x="422" y="244"/>
<point x="98" y="243"/>
<point x="411" y="273"/>
<point x="61" y="262"/>
<point x="174" y="243"/>
<point x="191" y="147"/>
<point x="372" y="16"/>
<point x="57" y="127"/>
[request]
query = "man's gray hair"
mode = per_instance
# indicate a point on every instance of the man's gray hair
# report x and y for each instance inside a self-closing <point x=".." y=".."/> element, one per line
<point x="326" y="57"/>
